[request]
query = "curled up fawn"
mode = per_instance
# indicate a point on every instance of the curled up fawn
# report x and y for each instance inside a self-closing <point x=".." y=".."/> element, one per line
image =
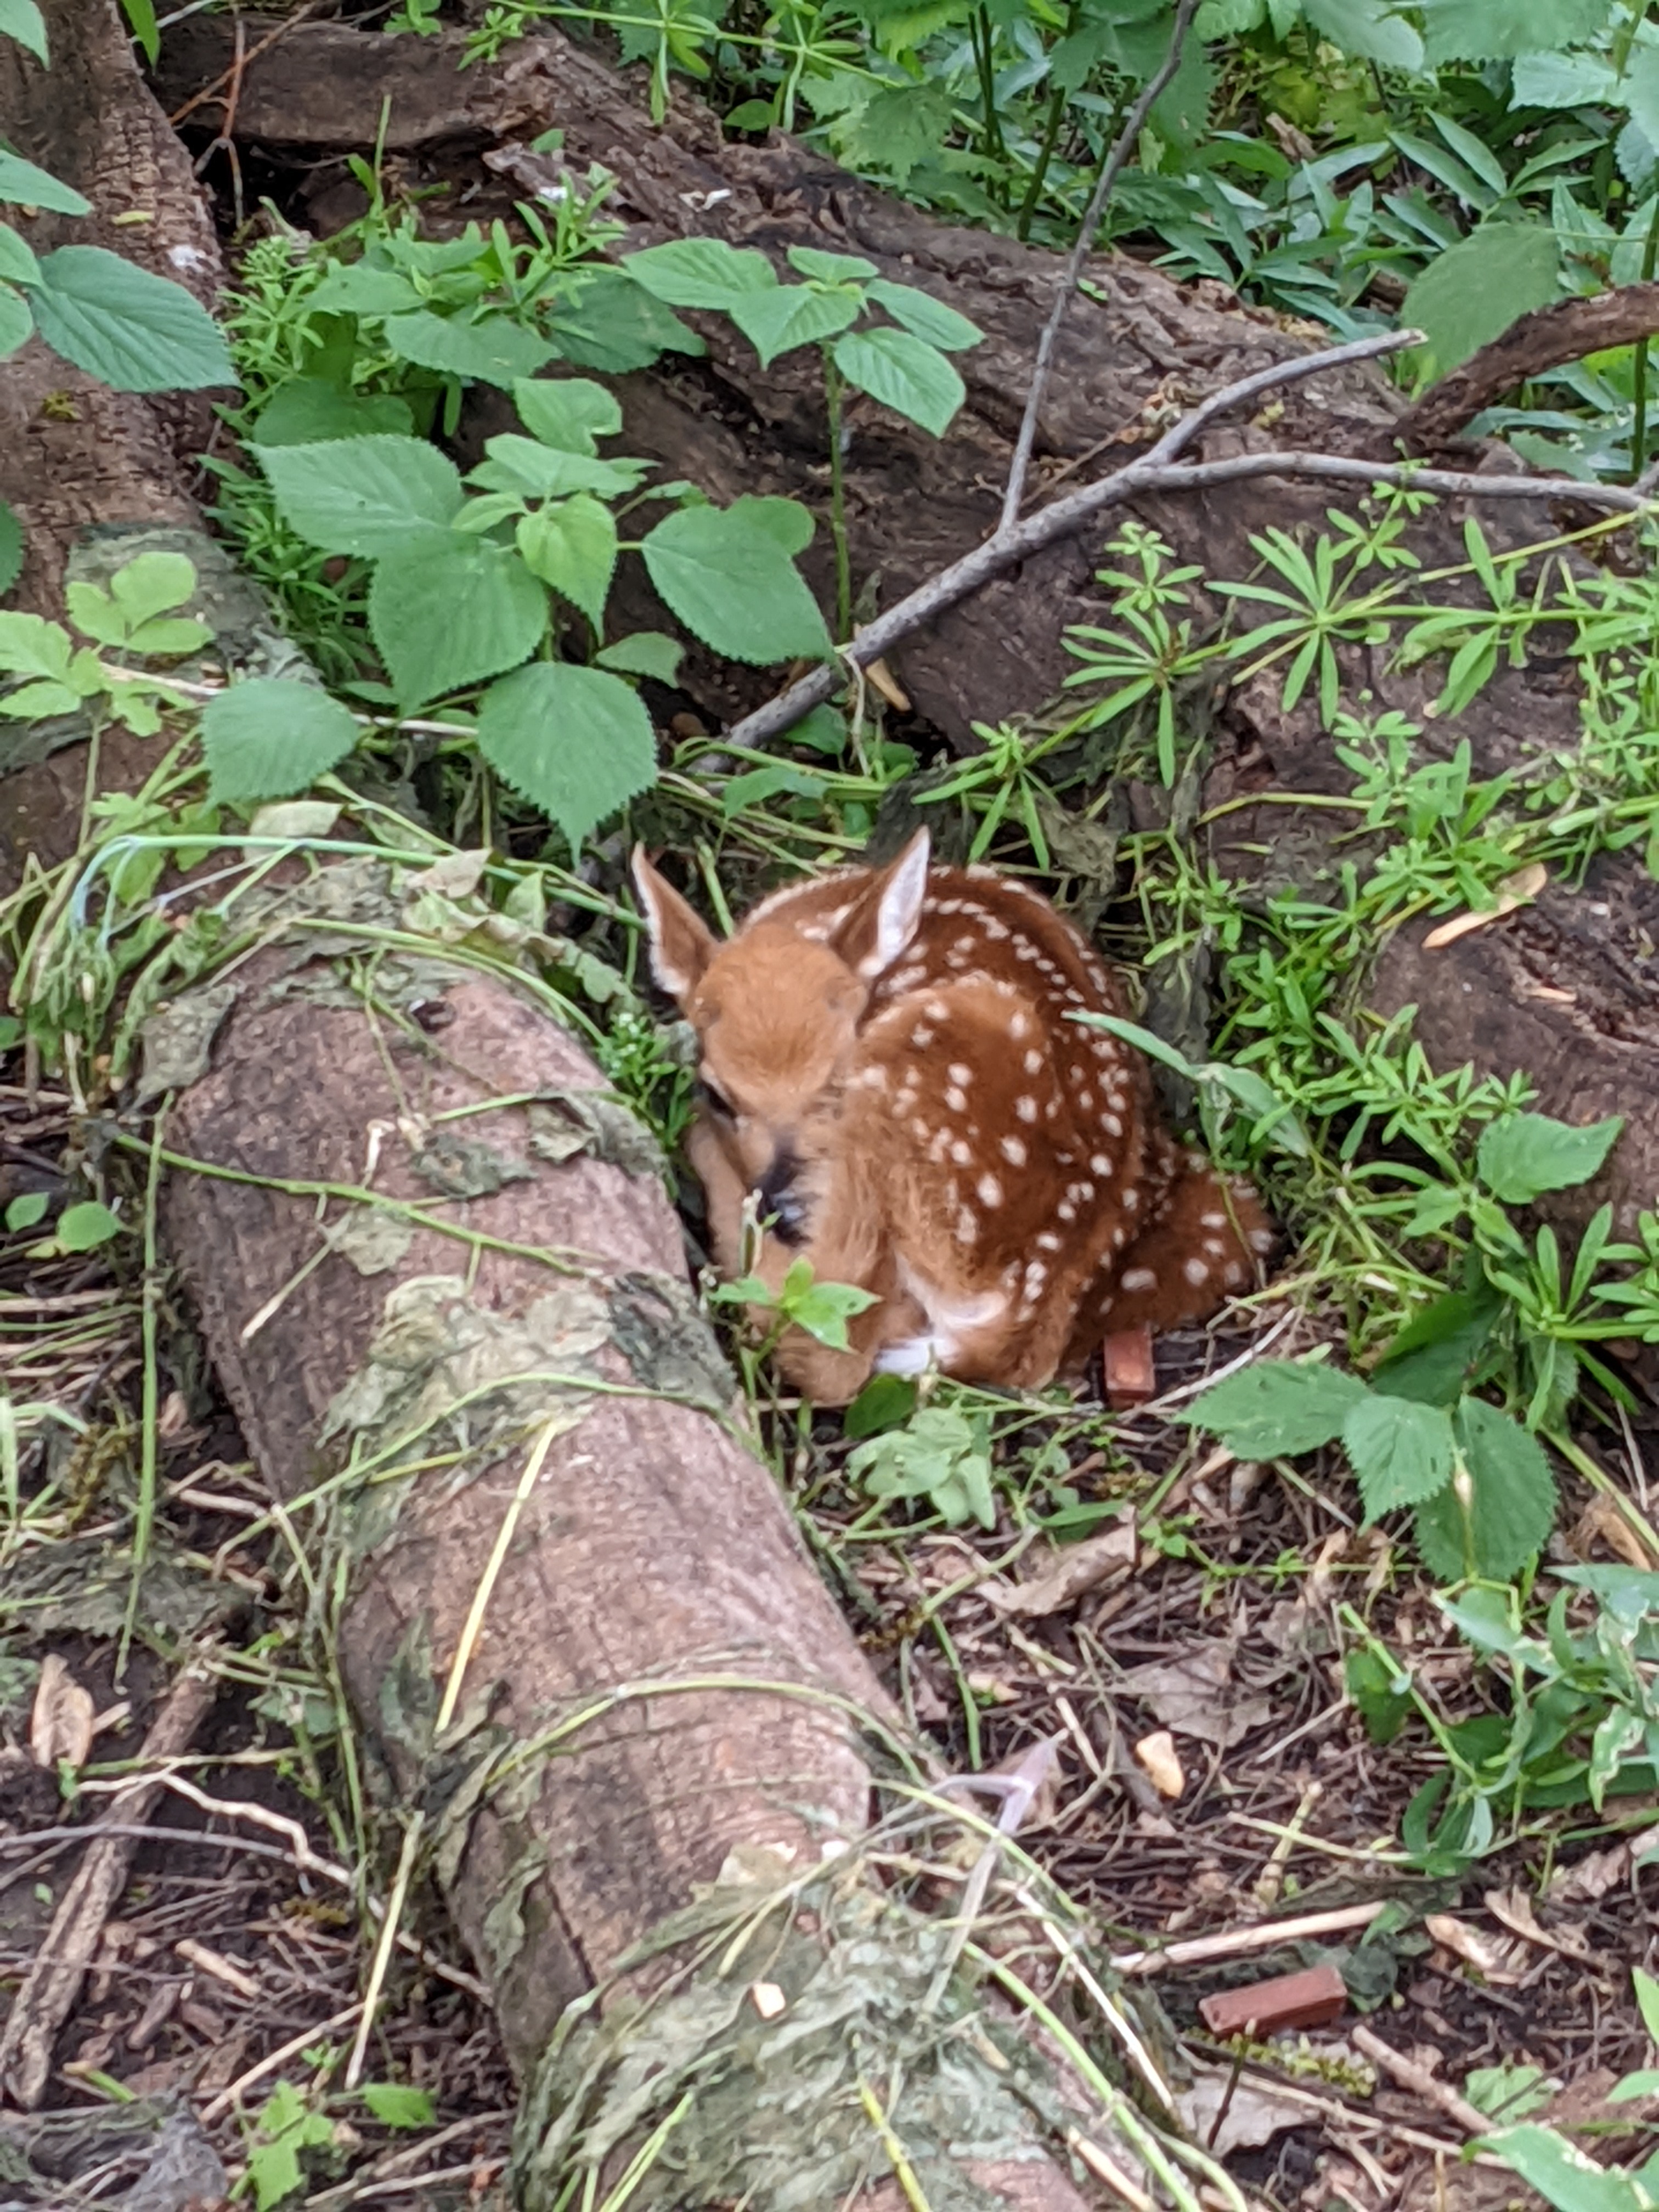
<point x="887" y="1066"/>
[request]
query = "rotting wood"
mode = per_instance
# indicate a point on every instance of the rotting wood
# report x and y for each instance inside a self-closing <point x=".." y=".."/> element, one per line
<point x="1544" y="339"/>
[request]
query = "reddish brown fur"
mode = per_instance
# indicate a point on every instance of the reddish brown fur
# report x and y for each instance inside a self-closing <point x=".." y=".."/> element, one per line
<point x="895" y="1052"/>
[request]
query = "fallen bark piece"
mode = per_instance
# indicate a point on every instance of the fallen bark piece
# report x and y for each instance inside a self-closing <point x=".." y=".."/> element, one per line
<point x="1131" y="1379"/>
<point x="1313" y="1998"/>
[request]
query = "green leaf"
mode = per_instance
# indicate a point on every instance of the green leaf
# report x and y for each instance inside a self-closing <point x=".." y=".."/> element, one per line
<point x="22" y="21"/>
<point x="396" y="2104"/>
<point x="1556" y="80"/>
<point x="150" y="585"/>
<point x="1647" y="2000"/>
<point x="1507" y="2092"/>
<point x="646" y="652"/>
<point x="310" y="409"/>
<point x="823" y="1309"/>
<point x="1564" y="2175"/>
<point x="1497" y="30"/>
<point x="830" y="268"/>
<point x="81" y="1228"/>
<point x="1642" y="2083"/>
<point x="24" y="185"/>
<point x="575" y="741"/>
<point x="725" y="574"/>
<point x="18" y="264"/>
<point x="790" y="315"/>
<point x="785" y="521"/>
<point x="140" y="16"/>
<point x="357" y="287"/>
<point x="1525" y="1154"/>
<point x="699" y="272"/>
<point x="572" y="545"/>
<point x="32" y="646"/>
<point x="570" y="412"/>
<point x="1402" y="1451"/>
<point x="495" y="350"/>
<point x="1278" y="1407"/>
<point x="904" y="373"/>
<point x="1433" y="1356"/>
<point x="136" y="331"/>
<point x="452" y="609"/>
<point x="272" y="736"/>
<point x="26" y="1209"/>
<point x="1641" y="90"/>
<point x="11" y="547"/>
<point x="613" y="325"/>
<point x="362" y="494"/>
<point x="1369" y="28"/>
<point x="17" y="323"/>
<point x="886" y="1401"/>
<point x="925" y="317"/>
<point x="1380" y="1692"/>
<point x="524" y="465"/>
<point x="1474" y="291"/>
<point x="1496" y="1512"/>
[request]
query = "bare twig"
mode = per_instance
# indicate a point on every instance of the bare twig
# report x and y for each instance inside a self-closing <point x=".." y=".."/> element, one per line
<point x="1266" y="1936"/>
<point x="1157" y="471"/>
<point x="1111" y="168"/>
<point x="1418" y="2080"/>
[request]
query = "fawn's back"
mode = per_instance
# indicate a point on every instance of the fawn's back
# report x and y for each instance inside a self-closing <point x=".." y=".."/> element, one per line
<point x="889" y="1061"/>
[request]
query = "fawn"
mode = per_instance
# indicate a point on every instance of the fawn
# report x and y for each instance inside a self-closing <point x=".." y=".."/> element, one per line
<point x="887" y="1066"/>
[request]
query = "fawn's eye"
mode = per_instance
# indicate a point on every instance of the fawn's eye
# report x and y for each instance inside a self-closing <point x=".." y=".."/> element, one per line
<point x="717" y="1102"/>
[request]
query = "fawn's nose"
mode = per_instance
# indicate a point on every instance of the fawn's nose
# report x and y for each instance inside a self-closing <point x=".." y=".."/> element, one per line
<point x="780" y="1200"/>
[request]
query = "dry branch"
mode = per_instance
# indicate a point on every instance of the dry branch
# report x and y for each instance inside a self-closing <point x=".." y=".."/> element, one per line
<point x="1565" y="331"/>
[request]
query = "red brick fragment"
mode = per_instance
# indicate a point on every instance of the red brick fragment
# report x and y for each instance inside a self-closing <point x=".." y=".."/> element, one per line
<point x="1130" y="1379"/>
<point x="1312" y="1999"/>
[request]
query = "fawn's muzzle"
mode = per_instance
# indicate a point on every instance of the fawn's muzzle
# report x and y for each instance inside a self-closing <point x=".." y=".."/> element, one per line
<point x="780" y="1201"/>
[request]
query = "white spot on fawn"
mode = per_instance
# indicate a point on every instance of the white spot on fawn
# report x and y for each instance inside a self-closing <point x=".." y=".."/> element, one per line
<point x="961" y="1153"/>
<point x="957" y="1100"/>
<point x="1013" y="1151"/>
<point x="1196" y="1271"/>
<point x="1033" y="1063"/>
<point x="1112" y="1124"/>
<point x="1262" y="1240"/>
<point x="921" y="1037"/>
<point x="1138" y="1278"/>
<point x="989" y="1189"/>
<point x="1026" y="1108"/>
<point x="1213" y="1220"/>
<point x="959" y="1071"/>
<point x="1099" y="1163"/>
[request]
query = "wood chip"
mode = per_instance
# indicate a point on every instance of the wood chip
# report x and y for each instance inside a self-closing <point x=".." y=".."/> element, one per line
<point x="1131" y="1379"/>
<point x="1494" y="1961"/>
<point x="221" y="1968"/>
<point x="768" y="1999"/>
<point x="1313" y="1998"/>
<point x="61" y="1723"/>
<point x="1156" y="1754"/>
<point x="1517" y="890"/>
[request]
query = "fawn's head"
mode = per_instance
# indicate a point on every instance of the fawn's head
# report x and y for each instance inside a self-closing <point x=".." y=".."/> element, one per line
<point x="776" y="1010"/>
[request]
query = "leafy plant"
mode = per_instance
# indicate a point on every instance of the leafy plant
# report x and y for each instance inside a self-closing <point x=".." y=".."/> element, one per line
<point x="800" y="1300"/>
<point x="941" y="1454"/>
<point x="134" y="619"/>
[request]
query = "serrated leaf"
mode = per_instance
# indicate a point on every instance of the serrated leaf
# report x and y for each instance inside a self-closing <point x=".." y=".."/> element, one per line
<point x="18" y="264"/>
<point x="21" y="20"/>
<point x="32" y="646"/>
<point x="356" y="287"/>
<point x="23" y="185"/>
<point x="1497" y="30"/>
<point x="830" y="268"/>
<point x="925" y="317"/>
<point x="790" y="315"/>
<point x="699" y="272"/>
<point x="570" y="412"/>
<point x="152" y="584"/>
<point x="1556" y="80"/>
<point x="1496" y="1512"/>
<point x="362" y="494"/>
<point x="450" y="610"/>
<point x="17" y="323"/>
<point x="272" y="736"/>
<point x="310" y="410"/>
<point x="1472" y="293"/>
<point x="135" y="331"/>
<point x="1525" y="1154"/>
<point x="40" y="702"/>
<point x="1369" y="28"/>
<point x="576" y="742"/>
<point x="613" y="325"/>
<point x="904" y="373"/>
<point x="725" y="574"/>
<point x="572" y="545"/>
<point x="551" y="472"/>
<point x="646" y="652"/>
<point x="1402" y="1451"/>
<point x="11" y="547"/>
<point x="1641" y="90"/>
<point x="495" y="350"/>
<point x="1279" y="1407"/>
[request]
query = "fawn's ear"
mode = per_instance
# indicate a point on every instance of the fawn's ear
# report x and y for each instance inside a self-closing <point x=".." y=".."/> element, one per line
<point x="884" y="919"/>
<point x="682" y="944"/>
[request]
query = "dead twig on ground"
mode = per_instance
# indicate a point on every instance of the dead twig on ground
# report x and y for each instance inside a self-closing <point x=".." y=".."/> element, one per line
<point x="1417" y="2079"/>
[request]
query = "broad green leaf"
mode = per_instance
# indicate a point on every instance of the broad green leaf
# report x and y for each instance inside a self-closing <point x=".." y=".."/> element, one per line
<point x="11" y="548"/>
<point x="1498" y="30"/>
<point x="1279" y="1407"/>
<point x="42" y="703"/>
<point x="699" y="272"/>
<point x="135" y="331"/>
<point x="495" y="350"/>
<point x="26" y="1210"/>
<point x="572" y="545"/>
<point x="611" y="324"/>
<point x="1525" y="1154"/>
<point x="646" y="652"/>
<point x="1382" y="1693"/>
<point x="1401" y="1450"/>
<point x="1433" y="1356"/>
<point x="1642" y="2083"/>
<point x="785" y="521"/>
<point x="904" y="373"/>
<point x="22" y="21"/>
<point x="310" y="410"/>
<point x="357" y="288"/>
<point x="362" y="494"/>
<point x="32" y="646"/>
<point x="1496" y="1512"/>
<point x="885" y="1402"/>
<point x="790" y="315"/>
<point x="272" y="736"/>
<point x="830" y="268"/>
<point x="1474" y="291"/>
<point x="396" y="2104"/>
<point x="575" y="741"/>
<point x="1641" y="91"/>
<point x="725" y="574"/>
<point x="925" y="317"/>
<point x="1369" y="28"/>
<point x="25" y="186"/>
<point x="570" y="412"/>
<point x="450" y="610"/>
<point x="18" y="264"/>
<point x="1557" y="80"/>
<point x="549" y="473"/>
<point x="1563" y="2175"/>
<point x="81" y="1228"/>
<point x="17" y="323"/>
<point x="1508" y="2092"/>
<point x="152" y="584"/>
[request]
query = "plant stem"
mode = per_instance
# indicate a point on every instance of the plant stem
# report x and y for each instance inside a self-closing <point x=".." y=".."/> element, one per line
<point x="990" y="130"/>
<point x="1045" y="155"/>
<point x="1638" y="435"/>
<point x="832" y="392"/>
